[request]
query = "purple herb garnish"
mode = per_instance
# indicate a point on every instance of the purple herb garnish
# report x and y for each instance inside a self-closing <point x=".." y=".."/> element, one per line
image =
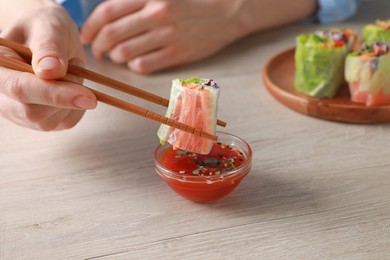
<point x="210" y="83"/>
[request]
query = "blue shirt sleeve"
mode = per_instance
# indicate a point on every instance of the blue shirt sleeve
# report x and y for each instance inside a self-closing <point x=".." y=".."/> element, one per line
<point x="333" y="11"/>
<point x="79" y="9"/>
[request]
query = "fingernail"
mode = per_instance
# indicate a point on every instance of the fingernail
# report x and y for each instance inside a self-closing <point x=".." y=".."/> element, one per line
<point x="49" y="63"/>
<point x="135" y="65"/>
<point x="84" y="102"/>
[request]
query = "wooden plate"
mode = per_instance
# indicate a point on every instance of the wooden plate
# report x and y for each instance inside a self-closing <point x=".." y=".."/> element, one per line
<point x="278" y="77"/>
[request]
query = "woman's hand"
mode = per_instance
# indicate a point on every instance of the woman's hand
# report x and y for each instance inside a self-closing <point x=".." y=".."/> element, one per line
<point x="150" y="35"/>
<point x="39" y="101"/>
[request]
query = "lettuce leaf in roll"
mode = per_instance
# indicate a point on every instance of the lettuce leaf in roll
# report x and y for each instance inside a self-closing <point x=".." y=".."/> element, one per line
<point x="379" y="31"/>
<point x="319" y="61"/>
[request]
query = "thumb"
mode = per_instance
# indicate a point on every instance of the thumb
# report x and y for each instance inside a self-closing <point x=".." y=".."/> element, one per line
<point x="48" y="60"/>
<point x="54" y="40"/>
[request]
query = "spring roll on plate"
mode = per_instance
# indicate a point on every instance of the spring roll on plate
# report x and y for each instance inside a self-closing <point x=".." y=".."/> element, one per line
<point x="367" y="72"/>
<point x="379" y="31"/>
<point x="319" y="61"/>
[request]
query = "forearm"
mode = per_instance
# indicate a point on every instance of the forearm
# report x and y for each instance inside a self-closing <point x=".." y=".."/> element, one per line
<point x="256" y="15"/>
<point x="11" y="10"/>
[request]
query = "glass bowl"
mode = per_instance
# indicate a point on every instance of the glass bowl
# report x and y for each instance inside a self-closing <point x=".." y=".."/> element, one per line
<point x="206" y="188"/>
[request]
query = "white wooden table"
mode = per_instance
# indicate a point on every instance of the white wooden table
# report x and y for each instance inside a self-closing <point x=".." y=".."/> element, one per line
<point x="318" y="189"/>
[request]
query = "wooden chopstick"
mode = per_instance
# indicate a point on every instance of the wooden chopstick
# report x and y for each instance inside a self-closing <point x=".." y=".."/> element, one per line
<point x="98" y="78"/>
<point x="24" y="67"/>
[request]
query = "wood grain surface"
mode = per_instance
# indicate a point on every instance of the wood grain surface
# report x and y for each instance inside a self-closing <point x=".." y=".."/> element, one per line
<point x="318" y="189"/>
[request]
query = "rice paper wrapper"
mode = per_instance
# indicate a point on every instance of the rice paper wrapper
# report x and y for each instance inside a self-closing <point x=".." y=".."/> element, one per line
<point x="319" y="70"/>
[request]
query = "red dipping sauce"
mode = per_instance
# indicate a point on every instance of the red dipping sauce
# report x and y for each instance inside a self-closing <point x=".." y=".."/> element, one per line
<point x="205" y="178"/>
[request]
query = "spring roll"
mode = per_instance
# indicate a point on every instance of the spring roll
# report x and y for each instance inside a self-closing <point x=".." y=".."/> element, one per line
<point x="319" y="61"/>
<point x="377" y="32"/>
<point x="367" y="72"/>
<point x="194" y="102"/>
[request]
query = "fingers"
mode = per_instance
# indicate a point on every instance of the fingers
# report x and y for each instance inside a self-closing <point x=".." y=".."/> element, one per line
<point x="105" y="13"/>
<point x="40" y="101"/>
<point x="154" y="61"/>
<point x="28" y="89"/>
<point x="19" y="112"/>
<point x="49" y="59"/>
<point x="70" y="120"/>
<point x="39" y="117"/>
<point x="62" y="119"/>
<point x="53" y="41"/>
<point x="140" y="45"/>
<point x="42" y="104"/>
<point x="116" y="32"/>
<point x="141" y="33"/>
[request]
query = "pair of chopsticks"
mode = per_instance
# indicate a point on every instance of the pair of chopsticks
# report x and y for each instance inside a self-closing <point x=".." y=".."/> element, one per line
<point x="102" y="97"/>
